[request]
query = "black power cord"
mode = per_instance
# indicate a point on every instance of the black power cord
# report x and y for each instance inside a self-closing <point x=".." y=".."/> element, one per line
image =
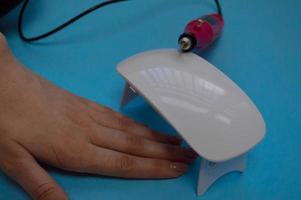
<point x="60" y="27"/>
<point x="70" y="21"/>
<point x="219" y="8"/>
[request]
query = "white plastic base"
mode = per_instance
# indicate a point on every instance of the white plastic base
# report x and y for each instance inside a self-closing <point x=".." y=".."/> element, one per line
<point x="210" y="172"/>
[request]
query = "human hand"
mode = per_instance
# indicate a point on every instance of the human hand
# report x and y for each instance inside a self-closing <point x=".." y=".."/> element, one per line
<point x="40" y="122"/>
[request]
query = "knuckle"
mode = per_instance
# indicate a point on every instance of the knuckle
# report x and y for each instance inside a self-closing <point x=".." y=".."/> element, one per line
<point x="71" y="155"/>
<point x="124" y="123"/>
<point x="59" y="162"/>
<point x="78" y="119"/>
<point x="125" y="164"/>
<point x="45" y="191"/>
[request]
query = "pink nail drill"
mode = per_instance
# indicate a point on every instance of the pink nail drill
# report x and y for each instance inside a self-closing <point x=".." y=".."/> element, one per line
<point x="201" y="32"/>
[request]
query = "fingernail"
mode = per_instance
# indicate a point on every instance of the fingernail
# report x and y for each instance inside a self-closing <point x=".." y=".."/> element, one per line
<point x="179" y="167"/>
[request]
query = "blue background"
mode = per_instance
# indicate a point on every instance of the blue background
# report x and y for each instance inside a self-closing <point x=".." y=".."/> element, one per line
<point x="259" y="50"/>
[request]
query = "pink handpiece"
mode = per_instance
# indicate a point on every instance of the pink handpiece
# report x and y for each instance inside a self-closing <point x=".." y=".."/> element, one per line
<point x="201" y="33"/>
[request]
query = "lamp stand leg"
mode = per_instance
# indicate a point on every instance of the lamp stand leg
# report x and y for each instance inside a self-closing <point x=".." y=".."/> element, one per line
<point x="210" y="171"/>
<point x="128" y="94"/>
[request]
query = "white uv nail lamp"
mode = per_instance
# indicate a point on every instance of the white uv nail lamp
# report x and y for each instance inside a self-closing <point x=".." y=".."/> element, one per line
<point x="214" y="116"/>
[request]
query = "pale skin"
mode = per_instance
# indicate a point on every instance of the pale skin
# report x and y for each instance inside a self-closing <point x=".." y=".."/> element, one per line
<point x="42" y="123"/>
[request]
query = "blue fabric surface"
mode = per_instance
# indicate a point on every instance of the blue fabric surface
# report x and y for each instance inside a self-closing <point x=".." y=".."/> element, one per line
<point x="259" y="50"/>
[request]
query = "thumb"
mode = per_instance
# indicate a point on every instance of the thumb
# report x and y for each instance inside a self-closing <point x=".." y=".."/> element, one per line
<point x="19" y="164"/>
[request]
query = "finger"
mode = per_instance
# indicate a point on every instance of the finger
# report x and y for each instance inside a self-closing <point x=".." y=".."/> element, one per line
<point x="17" y="163"/>
<point x="107" y="117"/>
<point x="112" y="163"/>
<point x="129" y="126"/>
<point x="139" y="146"/>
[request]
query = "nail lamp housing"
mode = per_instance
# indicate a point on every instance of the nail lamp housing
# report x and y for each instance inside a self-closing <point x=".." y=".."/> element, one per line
<point x="214" y="116"/>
